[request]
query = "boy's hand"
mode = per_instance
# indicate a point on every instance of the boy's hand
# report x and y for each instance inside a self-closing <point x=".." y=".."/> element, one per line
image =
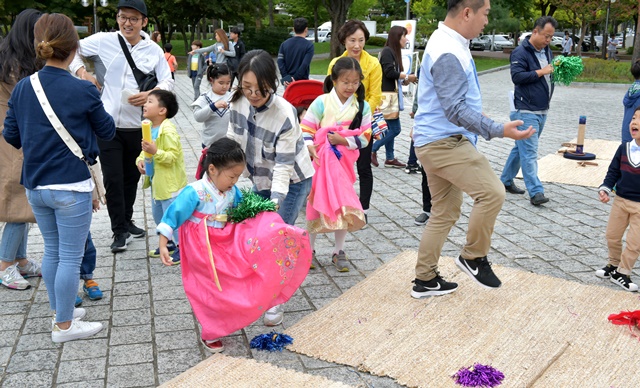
<point x="149" y="147"/>
<point x="140" y="166"/>
<point x="165" y="256"/>
<point x="138" y="99"/>
<point x="411" y="114"/>
<point x="511" y="130"/>
<point x="604" y="196"/>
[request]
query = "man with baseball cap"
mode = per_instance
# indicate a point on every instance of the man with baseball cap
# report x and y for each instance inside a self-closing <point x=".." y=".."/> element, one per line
<point x="123" y="100"/>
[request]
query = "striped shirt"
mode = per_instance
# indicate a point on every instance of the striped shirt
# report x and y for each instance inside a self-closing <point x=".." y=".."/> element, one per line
<point x="272" y="140"/>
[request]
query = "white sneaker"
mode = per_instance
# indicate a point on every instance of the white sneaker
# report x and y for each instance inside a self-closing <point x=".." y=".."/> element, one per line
<point x="78" y="314"/>
<point x="77" y="330"/>
<point x="274" y="316"/>
<point x="11" y="278"/>
<point x="32" y="269"/>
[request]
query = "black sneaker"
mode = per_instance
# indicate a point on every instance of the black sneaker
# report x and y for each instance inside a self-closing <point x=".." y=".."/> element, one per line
<point x="434" y="287"/>
<point x="421" y="219"/>
<point x="135" y="231"/>
<point x="623" y="281"/>
<point x="605" y="272"/>
<point x="412" y="169"/>
<point x="120" y="241"/>
<point x="479" y="270"/>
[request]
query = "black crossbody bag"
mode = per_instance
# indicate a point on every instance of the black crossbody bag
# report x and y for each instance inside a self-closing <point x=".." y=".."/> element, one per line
<point x="145" y="82"/>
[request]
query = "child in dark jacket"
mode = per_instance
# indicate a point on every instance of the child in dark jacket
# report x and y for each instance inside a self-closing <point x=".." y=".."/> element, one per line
<point x="624" y="176"/>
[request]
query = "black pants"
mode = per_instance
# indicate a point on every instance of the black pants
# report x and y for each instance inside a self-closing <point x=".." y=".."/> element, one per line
<point x="426" y="194"/>
<point x="365" y="175"/>
<point x="121" y="176"/>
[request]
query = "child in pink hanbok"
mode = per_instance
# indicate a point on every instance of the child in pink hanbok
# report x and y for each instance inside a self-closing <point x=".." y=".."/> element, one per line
<point x="231" y="272"/>
<point x="336" y="126"/>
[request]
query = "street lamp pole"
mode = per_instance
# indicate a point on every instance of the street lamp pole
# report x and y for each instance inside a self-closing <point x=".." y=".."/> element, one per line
<point x="104" y="3"/>
<point x="606" y="30"/>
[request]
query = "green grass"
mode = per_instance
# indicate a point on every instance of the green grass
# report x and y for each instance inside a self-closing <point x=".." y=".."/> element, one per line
<point x="319" y="66"/>
<point x="483" y="63"/>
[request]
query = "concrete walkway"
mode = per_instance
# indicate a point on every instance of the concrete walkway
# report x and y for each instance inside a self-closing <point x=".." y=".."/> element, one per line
<point x="151" y="334"/>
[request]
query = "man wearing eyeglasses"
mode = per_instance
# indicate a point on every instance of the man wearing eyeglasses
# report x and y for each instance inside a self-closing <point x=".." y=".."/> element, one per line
<point x="123" y="100"/>
<point x="532" y="74"/>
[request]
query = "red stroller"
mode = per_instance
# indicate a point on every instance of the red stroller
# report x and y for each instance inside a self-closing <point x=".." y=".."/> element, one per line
<point x="302" y="93"/>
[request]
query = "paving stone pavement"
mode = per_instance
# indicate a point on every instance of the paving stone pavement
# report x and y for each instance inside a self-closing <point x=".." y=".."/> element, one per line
<point x="150" y="334"/>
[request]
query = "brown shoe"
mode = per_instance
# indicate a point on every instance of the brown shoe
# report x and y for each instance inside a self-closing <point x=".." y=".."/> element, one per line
<point x="395" y="163"/>
<point x="374" y="159"/>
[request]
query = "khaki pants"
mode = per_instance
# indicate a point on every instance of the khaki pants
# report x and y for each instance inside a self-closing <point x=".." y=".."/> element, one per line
<point x="453" y="166"/>
<point x="623" y="213"/>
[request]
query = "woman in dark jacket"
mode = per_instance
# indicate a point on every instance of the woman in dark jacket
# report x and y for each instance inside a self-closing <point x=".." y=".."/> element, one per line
<point x="392" y="75"/>
<point x="58" y="183"/>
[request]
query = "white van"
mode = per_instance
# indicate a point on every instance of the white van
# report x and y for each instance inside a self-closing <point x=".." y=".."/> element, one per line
<point x="326" y="26"/>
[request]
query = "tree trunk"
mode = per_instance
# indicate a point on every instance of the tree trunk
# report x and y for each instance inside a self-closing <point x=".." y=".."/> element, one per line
<point x="583" y="31"/>
<point x="338" y="10"/>
<point x="636" y="44"/>
<point x="271" y="24"/>
<point x="183" y="30"/>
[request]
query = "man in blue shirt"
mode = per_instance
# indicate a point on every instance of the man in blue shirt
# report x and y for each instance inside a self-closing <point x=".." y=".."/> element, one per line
<point x="295" y="54"/>
<point x="531" y="72"/>
<point x="446" y="128"/>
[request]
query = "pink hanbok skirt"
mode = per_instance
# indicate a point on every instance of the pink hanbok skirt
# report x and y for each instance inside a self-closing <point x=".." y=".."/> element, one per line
<point x="254" y="265"/>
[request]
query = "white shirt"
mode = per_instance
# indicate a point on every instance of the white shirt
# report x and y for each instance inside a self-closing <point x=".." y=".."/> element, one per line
<point x="115" y="75"/>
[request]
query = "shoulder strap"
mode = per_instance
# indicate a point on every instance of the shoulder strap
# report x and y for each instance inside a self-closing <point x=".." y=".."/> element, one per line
<point x="53" y="118"/>
<point x="127" y="54"/>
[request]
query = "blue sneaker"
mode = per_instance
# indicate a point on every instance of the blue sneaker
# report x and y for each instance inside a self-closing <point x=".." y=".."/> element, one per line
<point x="171" y="246"/>
<point x="92" y="290"/>
<point x="175" y="257"/>
<point x="78" y="301"/>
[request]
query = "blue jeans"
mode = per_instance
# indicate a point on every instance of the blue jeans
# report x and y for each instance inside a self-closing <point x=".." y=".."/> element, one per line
<point x="88" y="260"/>
<point x="64" y="218"/>
<point x="293" y="202"/>
<point x="388" y="141"/>
<point x="525" y="154"/>
<point x="413" y="159"/>
<point x="158" y="208"/>
<point x="14" y="241"/>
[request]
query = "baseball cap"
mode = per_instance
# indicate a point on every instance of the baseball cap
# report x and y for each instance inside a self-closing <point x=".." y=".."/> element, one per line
<point x="138" y="5"/>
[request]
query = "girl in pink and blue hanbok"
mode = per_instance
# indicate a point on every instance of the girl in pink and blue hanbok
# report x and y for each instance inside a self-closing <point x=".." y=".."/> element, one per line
<point x="336" y="126"/>
<point x="231" y="272"/>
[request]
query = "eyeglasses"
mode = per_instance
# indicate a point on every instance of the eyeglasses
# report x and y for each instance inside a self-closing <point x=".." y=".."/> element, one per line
<point x="250" y="92"/>
<point x="133" y="20"/>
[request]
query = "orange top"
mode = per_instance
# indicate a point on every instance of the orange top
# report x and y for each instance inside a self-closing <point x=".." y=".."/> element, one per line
<point x="173" y="63"/>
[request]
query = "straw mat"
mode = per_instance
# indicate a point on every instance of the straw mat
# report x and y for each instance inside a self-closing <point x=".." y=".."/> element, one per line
<point x="539" y="331"/>
<point x="223" y="371"/>
<point x="556" y="169"/>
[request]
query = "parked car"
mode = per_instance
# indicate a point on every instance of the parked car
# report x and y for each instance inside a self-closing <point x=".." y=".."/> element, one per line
<point x="501" y="42"/>
<point x="323" y="36"/>
<point x="383" y="35"/>
<point x="477" y="44"/>
<point x="421" y="41"/>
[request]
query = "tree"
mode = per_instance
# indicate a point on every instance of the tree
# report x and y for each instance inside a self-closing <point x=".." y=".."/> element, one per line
<point x="546" y="7"/>
<point x="636" y="46"/>
<point x="338" y="11"/>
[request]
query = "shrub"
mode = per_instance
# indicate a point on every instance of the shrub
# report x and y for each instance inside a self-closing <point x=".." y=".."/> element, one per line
<point x="599" y="70"/>
<point x="630" y="50"/>
<point x="266" y="38"/>
<point x="376" y="41"/>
